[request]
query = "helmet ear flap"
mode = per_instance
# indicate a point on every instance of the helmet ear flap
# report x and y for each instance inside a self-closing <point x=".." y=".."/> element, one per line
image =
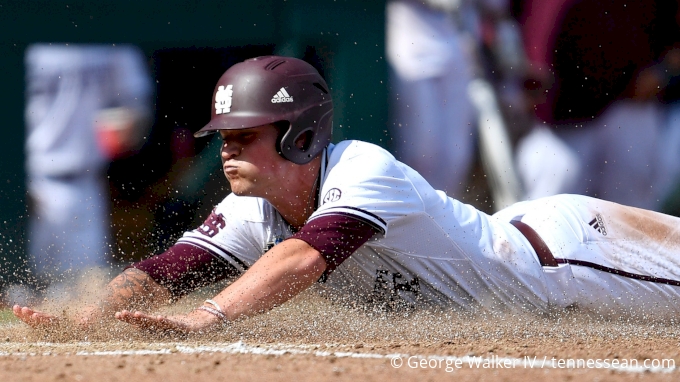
<point x="291" y="148"/>
<point x="315" y="126"/>
<point x="290" y="144"/>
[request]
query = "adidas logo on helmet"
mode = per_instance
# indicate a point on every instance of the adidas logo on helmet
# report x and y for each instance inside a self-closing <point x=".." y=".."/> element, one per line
<point x="282" y="96"/>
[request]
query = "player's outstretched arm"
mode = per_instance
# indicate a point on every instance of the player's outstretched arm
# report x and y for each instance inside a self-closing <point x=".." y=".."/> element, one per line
<point x="280" y="274"/>
<point x="132" y="289"/>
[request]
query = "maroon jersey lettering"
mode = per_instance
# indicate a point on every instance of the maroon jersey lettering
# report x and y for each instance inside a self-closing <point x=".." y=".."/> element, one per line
<point x="212" y="225"/>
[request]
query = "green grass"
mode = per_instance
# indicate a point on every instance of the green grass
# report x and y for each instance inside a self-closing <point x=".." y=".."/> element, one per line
<point x="6" y="316"/>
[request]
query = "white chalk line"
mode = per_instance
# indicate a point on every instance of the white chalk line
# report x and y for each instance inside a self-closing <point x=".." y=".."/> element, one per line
<point x="494" y="362"/>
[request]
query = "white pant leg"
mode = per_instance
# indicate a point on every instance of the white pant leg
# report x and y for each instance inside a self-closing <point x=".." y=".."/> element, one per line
<point x="69" y="226"/>
<point x="598" y="239"/>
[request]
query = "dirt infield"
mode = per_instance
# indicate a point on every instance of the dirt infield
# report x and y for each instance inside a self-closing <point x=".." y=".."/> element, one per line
<point x="313" y="339"/>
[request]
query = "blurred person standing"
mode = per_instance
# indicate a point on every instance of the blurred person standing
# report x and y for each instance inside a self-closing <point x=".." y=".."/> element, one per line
<point x="431" y="65"/>
<point x="85" y="106"/>
<point x="445" y="57"/>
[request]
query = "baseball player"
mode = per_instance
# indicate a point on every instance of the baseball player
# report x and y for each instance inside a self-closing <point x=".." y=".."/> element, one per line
<point x="85" y="106"/>
<point x="352" y="218"/>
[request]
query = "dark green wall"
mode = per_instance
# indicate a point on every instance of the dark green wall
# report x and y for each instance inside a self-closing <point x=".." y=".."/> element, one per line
<point x="348" y="35"/>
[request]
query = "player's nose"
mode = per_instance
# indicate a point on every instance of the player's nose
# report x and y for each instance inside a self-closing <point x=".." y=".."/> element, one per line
<point x="230" y="150"/>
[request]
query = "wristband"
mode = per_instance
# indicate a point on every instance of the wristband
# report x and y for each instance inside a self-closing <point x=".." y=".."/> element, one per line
<point x="214" y="312"/>
<point x="215" y="305"/>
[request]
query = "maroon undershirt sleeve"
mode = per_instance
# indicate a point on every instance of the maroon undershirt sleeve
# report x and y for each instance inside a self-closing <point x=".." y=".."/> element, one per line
<point x="184" y="268"/>
<point x="336" y="237"/>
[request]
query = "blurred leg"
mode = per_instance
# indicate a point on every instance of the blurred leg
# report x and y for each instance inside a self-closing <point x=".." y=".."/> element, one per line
<point x="629" y="135"/>
<point x="432" y="120"/>
<point x="546" y="165"/>
<point x="69" y="228"/>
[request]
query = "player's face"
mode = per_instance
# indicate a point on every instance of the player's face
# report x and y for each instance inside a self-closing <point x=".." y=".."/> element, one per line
<point x="251" y="163"/>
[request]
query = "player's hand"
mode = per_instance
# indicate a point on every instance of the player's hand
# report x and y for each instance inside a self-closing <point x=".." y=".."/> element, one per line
<point x="83" y="318"/>
<point x="35" y="318"/>
<point x="196" y="321"/>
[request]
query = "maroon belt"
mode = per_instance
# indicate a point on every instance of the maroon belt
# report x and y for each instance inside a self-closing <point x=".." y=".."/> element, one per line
<point x="545" y="257"/>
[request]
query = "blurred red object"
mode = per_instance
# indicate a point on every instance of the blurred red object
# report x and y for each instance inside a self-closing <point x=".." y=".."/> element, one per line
<point x="119" y="131"/>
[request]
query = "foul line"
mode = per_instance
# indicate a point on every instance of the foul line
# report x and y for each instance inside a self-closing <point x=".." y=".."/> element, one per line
<point x="48" y="348"/>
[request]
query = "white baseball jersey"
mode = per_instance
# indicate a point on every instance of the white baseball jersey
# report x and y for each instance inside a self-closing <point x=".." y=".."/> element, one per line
<point x="427" y="246"/>
<point x="431" y="249"/>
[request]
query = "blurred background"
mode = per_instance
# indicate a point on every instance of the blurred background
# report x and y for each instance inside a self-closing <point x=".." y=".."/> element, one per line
<point x="493" y="101"/>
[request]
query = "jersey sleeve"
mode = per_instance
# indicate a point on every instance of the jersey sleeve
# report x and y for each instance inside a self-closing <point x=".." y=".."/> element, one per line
<point x="184" y="268"/>
<point x="238" y="230"/>
<point x="366" y="183"/>
<point x="336" y="237"/>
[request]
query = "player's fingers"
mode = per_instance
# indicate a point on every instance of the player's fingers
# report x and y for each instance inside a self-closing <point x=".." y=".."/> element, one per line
<point x="157" y="322"/>
<point x="136" y="318"/>
<point x="32" y="317"/>
<point x="19" y="313"/>
<point x="124" y="315"/>
<point x="24" y="313"/>
<point x="129" y="318"/>
<point x="154" y="323"/>
<point x="39" y="318"/>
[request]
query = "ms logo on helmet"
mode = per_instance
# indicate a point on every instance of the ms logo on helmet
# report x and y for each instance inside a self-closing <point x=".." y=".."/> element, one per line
<point x="282" y="96"/>
<point x="223" y="99"/>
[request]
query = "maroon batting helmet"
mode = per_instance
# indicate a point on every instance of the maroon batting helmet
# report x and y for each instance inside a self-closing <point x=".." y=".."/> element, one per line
<point x="274" y="89"/>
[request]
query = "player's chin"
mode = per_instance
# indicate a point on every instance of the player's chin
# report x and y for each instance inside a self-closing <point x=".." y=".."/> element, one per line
<point x="240" y="189"/>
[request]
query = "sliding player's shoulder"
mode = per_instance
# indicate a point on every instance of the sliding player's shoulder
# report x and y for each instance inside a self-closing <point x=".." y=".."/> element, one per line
<point x="358" y="157"/>
<point x="352" y="149"/>
<point x="245" y="208"/>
